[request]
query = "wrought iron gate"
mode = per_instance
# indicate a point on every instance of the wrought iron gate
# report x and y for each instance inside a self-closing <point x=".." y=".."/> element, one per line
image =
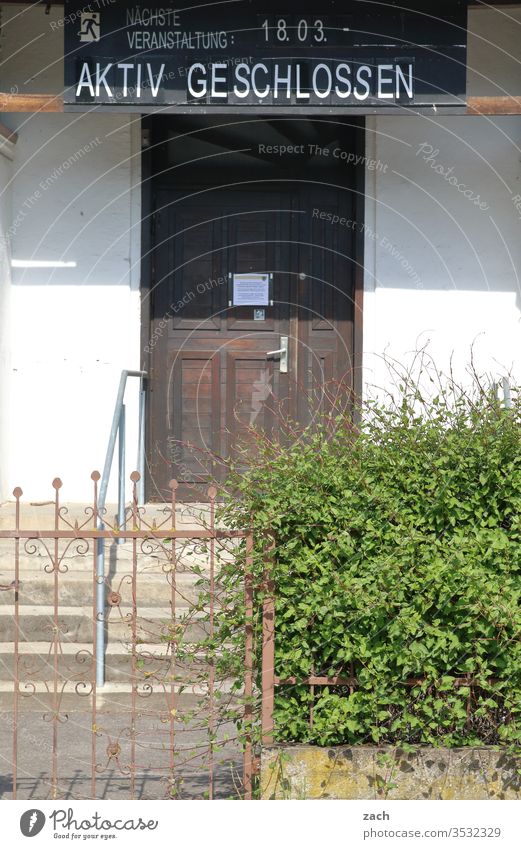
<point x="155" y="729"/>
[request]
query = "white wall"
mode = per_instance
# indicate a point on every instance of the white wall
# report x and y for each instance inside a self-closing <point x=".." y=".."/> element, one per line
<point x="453" y="280"/>
<point x="75" y="198"/>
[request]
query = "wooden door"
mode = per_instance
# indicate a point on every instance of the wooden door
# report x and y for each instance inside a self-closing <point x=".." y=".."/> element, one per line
<point x="212" y="379"/>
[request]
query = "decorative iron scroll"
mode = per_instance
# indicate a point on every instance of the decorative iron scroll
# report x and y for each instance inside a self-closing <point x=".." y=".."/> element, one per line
<point x="155" y="729"/>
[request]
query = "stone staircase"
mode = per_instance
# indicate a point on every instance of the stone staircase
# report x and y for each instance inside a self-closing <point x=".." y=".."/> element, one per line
<point x="128" y="742"/>
<point x="75" y="588"/>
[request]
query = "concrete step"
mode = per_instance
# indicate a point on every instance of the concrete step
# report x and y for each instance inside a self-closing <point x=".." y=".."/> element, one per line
<point x="113" y="697"/>
<point x="36" y="555"/>
<point x="75" y="663"/>
<point x="75" y="615"/>
<point x="75" y="624"/>
<point x="151" y="556"/>
<point x="40" y="515"/>
<point x="76" y="588"/>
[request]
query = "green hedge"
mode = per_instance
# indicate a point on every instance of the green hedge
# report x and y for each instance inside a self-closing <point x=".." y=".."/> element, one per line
<point x="397" y="556"/>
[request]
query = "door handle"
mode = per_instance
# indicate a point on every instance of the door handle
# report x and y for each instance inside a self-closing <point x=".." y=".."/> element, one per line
<point x="283" y="353"/>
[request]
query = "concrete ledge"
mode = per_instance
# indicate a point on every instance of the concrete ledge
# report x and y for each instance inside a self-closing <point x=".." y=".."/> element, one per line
<point x="370" y="772"/>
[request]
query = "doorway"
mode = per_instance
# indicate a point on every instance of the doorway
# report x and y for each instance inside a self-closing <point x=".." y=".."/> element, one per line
<point x="252" y="284"/>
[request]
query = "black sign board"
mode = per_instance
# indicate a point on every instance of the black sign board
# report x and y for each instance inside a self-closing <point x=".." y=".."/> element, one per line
<point x="353" y="56"/>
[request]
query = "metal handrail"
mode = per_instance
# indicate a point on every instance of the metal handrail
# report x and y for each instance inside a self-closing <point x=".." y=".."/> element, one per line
<point x="117" y="430"/>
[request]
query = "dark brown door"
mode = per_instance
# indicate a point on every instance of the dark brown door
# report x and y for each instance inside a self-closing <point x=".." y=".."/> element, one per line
<point x="213" y="379"/>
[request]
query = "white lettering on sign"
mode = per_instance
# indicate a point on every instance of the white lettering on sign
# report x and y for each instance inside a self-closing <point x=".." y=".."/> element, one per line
<point x="218" y="80"/>
<point x="241" y="79"/>
<point x="282" y="82"/>
<point x="281" y="79"/>
<point x="202" y="90"/>
<point x="101" y="78"/>
<point x="155" y="88"/>
<point x="407" y="84"/>
<point x="301" y="95"/>
<point x="347" y="90"/>
<point x="363" y="75"/>
<point x="259" y="93"/>
<point x="383" y="82"/>
<point x="124" y="75"/>
<point x="325" y="75"/>
<point x="174" y="39"/>
<point x="85" y="81"/>
<point x="153" y="17"/>
<point x="125" y="66"/>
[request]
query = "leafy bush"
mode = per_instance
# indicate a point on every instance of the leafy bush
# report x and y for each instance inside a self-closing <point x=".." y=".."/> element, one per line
<point x="396" y="556"/>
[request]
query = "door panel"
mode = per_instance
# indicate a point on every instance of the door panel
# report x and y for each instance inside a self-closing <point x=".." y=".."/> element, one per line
<point x="253" y="387"/>
<point x="212" y="380"/>
<point x="191" y="264"/>
<point x="188" y="287"/>
<point x="253" y="248"/>
<point x="195" y="413"/>
<point x="214" y="395"/>
<point x="326" y="302"/>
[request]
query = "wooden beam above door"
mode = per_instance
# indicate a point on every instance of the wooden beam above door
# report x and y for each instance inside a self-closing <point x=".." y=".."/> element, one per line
<point x="30" y="102"/>
<point x="494" y="105"/>
<point x="506" y="105"/>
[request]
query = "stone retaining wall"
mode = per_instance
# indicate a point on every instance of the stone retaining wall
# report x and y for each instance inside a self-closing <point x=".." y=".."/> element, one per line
<point x="370" y="772"/>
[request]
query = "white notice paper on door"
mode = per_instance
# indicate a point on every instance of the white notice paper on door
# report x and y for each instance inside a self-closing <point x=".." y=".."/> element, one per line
<point x="251" y="290"/>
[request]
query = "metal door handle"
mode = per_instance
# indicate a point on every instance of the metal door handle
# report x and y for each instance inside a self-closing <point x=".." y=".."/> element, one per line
<point x="283" y="352"/>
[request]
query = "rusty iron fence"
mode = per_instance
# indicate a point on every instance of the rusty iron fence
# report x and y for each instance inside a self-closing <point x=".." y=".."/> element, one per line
<point x="155" y="729"/>
<point x="270" y="681"/>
